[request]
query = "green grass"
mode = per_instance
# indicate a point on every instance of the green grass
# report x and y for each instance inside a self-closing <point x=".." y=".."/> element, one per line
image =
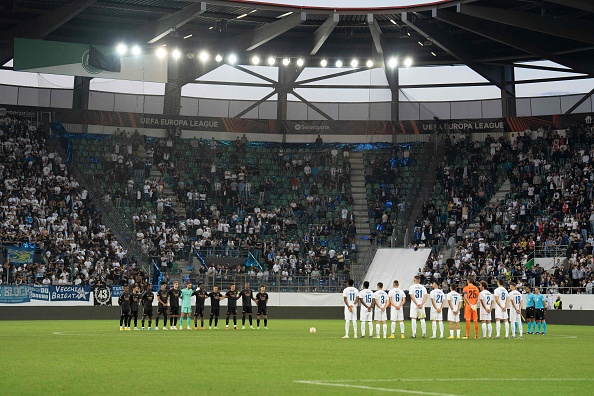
<point x="95" y="358"/>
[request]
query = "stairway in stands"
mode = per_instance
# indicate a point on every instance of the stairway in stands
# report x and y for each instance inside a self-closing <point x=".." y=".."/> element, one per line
<point x="502" y="193"/>
<point x="361" y="212"/>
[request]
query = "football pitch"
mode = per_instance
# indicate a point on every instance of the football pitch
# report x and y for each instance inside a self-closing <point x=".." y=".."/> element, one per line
<point x="95" y="358"/>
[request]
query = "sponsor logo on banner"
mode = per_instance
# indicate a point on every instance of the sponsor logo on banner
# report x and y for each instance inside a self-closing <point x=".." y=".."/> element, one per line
<point x="116" y="290"/>
<point x="3" y="112"/>
<point x="11" y="294"/>
<point x="70" y="293"/>
<point x="40" y="293"/>
<point x="302" y="127"/>
<point x="20" y="255"/>
<point x="102" y="295"/>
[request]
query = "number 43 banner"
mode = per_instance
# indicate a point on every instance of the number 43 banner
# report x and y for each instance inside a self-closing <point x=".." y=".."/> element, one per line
<point x="102" y="295"/>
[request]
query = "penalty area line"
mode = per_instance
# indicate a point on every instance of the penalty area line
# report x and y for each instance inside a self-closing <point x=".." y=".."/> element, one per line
<point x="374" y="388"/>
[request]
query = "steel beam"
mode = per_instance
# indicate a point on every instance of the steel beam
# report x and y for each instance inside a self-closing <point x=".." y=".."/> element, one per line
<point x="579" y="102"/>
<point x="323" y="32"/>
<point x="160" y="28"/>
<point x="309" y="104"/>
<point x="569" y="28"/>
<point x="376" y="33"/>
<point x="586" y="5"/>
<point x="254" y="105"/>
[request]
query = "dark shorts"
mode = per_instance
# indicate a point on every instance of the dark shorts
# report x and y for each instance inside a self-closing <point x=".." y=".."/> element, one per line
<point x="173" y="310"/>
<point x="262" y="310"/>
<point x="215" y="311"/>
<point x="539" y="314"/>
<point x="148" y="311"/>
<point x="124" y="310"/>
<point x="134" y="312"/>
<point x="199" y="310"/>
<point x="247" y="309"/>
<point x="231" y="311"/>
<point x="530" y="313"/>
<point x="162" y="310"/>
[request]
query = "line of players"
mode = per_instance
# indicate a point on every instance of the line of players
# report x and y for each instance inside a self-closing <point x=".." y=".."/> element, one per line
<point x="169" y="304"/>
<point x="500" y="301"/>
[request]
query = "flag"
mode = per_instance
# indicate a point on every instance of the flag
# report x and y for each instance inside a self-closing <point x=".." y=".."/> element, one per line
<point x="19" y="255"/>
<point x="529" y="263"/>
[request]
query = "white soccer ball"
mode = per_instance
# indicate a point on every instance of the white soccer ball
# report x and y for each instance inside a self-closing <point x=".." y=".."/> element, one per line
<point x="312" y="330"/>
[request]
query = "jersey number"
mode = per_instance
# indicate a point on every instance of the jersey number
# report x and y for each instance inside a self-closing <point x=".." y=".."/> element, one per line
<point x="397" y="297"/>
<point x="439" y="298"/>
<point x="382" y="300"/>
<point x="368" y="299"/>
<point x="418" y="293"/>
<point x="472" y="293"/>
<point x="455" y="301"/>
<point x="352" y="296"/>
<point x="518" y="299"/>
<point x="502" y="296"/>
<point x="488" y="300"/>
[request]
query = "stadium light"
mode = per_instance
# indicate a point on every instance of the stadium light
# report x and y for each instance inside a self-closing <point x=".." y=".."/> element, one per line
<point x="393" y="62"/>
<point x="324" y="63"/>
<point x="232" y="59"/>
<point x="369" y="63"/>
<point x="338" y="63"/>
<point x="161" y="52"/>
<point x="354" y="63"/>
<point x="204" y="56"/>
<point x="408" y="62"/>
<point x="286" y="62"/>
<point x="122" y="49"/>
<point x="219" y="57"/>
<point x="300" y="62"/>
<point x="176" y="54"/>
<point x="136" y="50"/>
<point x="271" y="61"/>
<point x="255" y="60"/>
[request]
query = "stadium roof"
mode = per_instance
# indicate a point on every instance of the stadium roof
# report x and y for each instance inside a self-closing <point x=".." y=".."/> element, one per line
<point x="480" y="34"/>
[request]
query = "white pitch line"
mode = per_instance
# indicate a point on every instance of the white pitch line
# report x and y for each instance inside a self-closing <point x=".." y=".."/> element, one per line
<point x="445" y="380"/>
<point x="407" y="391"/>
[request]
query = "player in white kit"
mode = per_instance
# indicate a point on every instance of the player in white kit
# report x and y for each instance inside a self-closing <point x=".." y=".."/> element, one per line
<point x="436" y="314"/>
<point x="486" y="301"/>
<point x="366" y="315"/>
<point x="515" y="309"/>
<point x="350" y="296"/>
<point x="454" y="302"/>
<point x="397" y="298"/>
<point x="501" y="305"/>
<point x="418" y="296"/>
<point x="380" y="302"/>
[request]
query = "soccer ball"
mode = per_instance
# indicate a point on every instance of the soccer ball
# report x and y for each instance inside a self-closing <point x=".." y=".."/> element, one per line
<point x="312" y="330"/>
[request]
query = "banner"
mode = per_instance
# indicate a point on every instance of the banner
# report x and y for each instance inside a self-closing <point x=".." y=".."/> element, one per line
<point x="70" y="293"/>
<point x="40" y="293"/>
<point x="19" y="255"/>
<point x="102" y="295"/>
<point x="11" y="294"/>
<point x="77" y="59"/>
<point x="116" y="290"/>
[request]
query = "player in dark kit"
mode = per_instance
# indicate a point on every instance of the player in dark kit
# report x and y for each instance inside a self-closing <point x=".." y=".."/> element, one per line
<point x="200" y="295"/>
<point x="147" y="303"/>
<point x="124" y="303"/>
<point x="262" y="299"/>
<point x="135" y="301"/>
<point x="215" y="306"/>
<point x="162" y="299"/>
<point x="247" y="296"/>
<point x="232" y="296"/>
<point x="174" y="295"/>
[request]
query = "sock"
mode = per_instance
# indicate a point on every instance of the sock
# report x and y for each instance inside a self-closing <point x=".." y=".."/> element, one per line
<point x="490" y="329"/>
<point x="355" y="328"/>
<point x="451" y="333"/>
<point x="170" y="321"/>
<point x="157" y="322"/>
<point x="458" y="333"/>
<point x="216" y="321"/>
<point x="363" y="329"/>
<point x="121" y="320"/>
<point x="377" y="330"/>
<point x="516" y="329"/>
<point x="189" y="321"/>
<point x="402" y="328"/>
<point x="235" y="321"/>
<point x="150" y="323"/>
<point x="544" y="324"/>
<point x="441" y="329"/>
<point x="498" y="329"/>
<point x="467" y="328"/>
<point x="136" y="321"/>
<point x="434" y="327"/>
<point x="385" y="327"/>
<point x="414" y="327"/>
<point x="484" y="326"/>
<point x="423" y="326"/>
<point x="202" y="321"/>
<point x="476" y="329"/>
<point x="370" y="328"/>
<point x="250" y="319"/>
<point x="210" y="321"/>
<point x="393" y="327"/>
<point x="520" y="327"/>
<point x="265" y="322"/>
<point x="243" y="320"/>
<point x="164" y="321"/>
<point x="258" y="322"/>
<point x="227" y="321"/>
<point x="142" y="323"/>
<point x="506" y="325"/>
<point x="175" y="321"/>
<point x="195" y="321"/>
<point x="346" y="327"/>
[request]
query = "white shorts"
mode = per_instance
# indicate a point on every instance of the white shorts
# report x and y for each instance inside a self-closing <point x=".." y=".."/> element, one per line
<point x="434" y="315"/>
<point x="515" y="317"/>
<point x="348" y="315"/>
<point x="379" y="315"/>
<point x="396" y="314"/>
<point x="484" y="315"/>
<point x="500" y="314"/>
<point x="452" y="317"/>
<point x="417" y="313"/>
<point x="365" y="315"/>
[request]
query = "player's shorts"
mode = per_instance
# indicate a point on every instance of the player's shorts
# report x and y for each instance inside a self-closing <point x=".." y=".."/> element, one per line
<point x="380" y="315"/>
<point x="366" y="315"/>
<point x="134" y="312"/>
<point x="485" y="315"/>
<point x="529" y="312"/>
<point x="148" y="311"/>
<point x="232" y="311"/>
<point x="124" y="310"/>
<point x="515" y="317"/>
<point x="434" y="315"/>
<point x="186" y="310"/>
<point x="263" y="310"/>
<point x="396" y="315"/>
<point x="162" y="310"/>
<point x="501" y="314"/>
<point x="452" y="317"/>
<point x="539" y="314"/>
<point x="199" y="310"/>
<point x="469" y="314"/>
<point x="215" y="311"/>
<point x="247" y="309"/>
<point x="174" y="311"/>
<point x="417" y="313"/>
<point x="348" y="315"/>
